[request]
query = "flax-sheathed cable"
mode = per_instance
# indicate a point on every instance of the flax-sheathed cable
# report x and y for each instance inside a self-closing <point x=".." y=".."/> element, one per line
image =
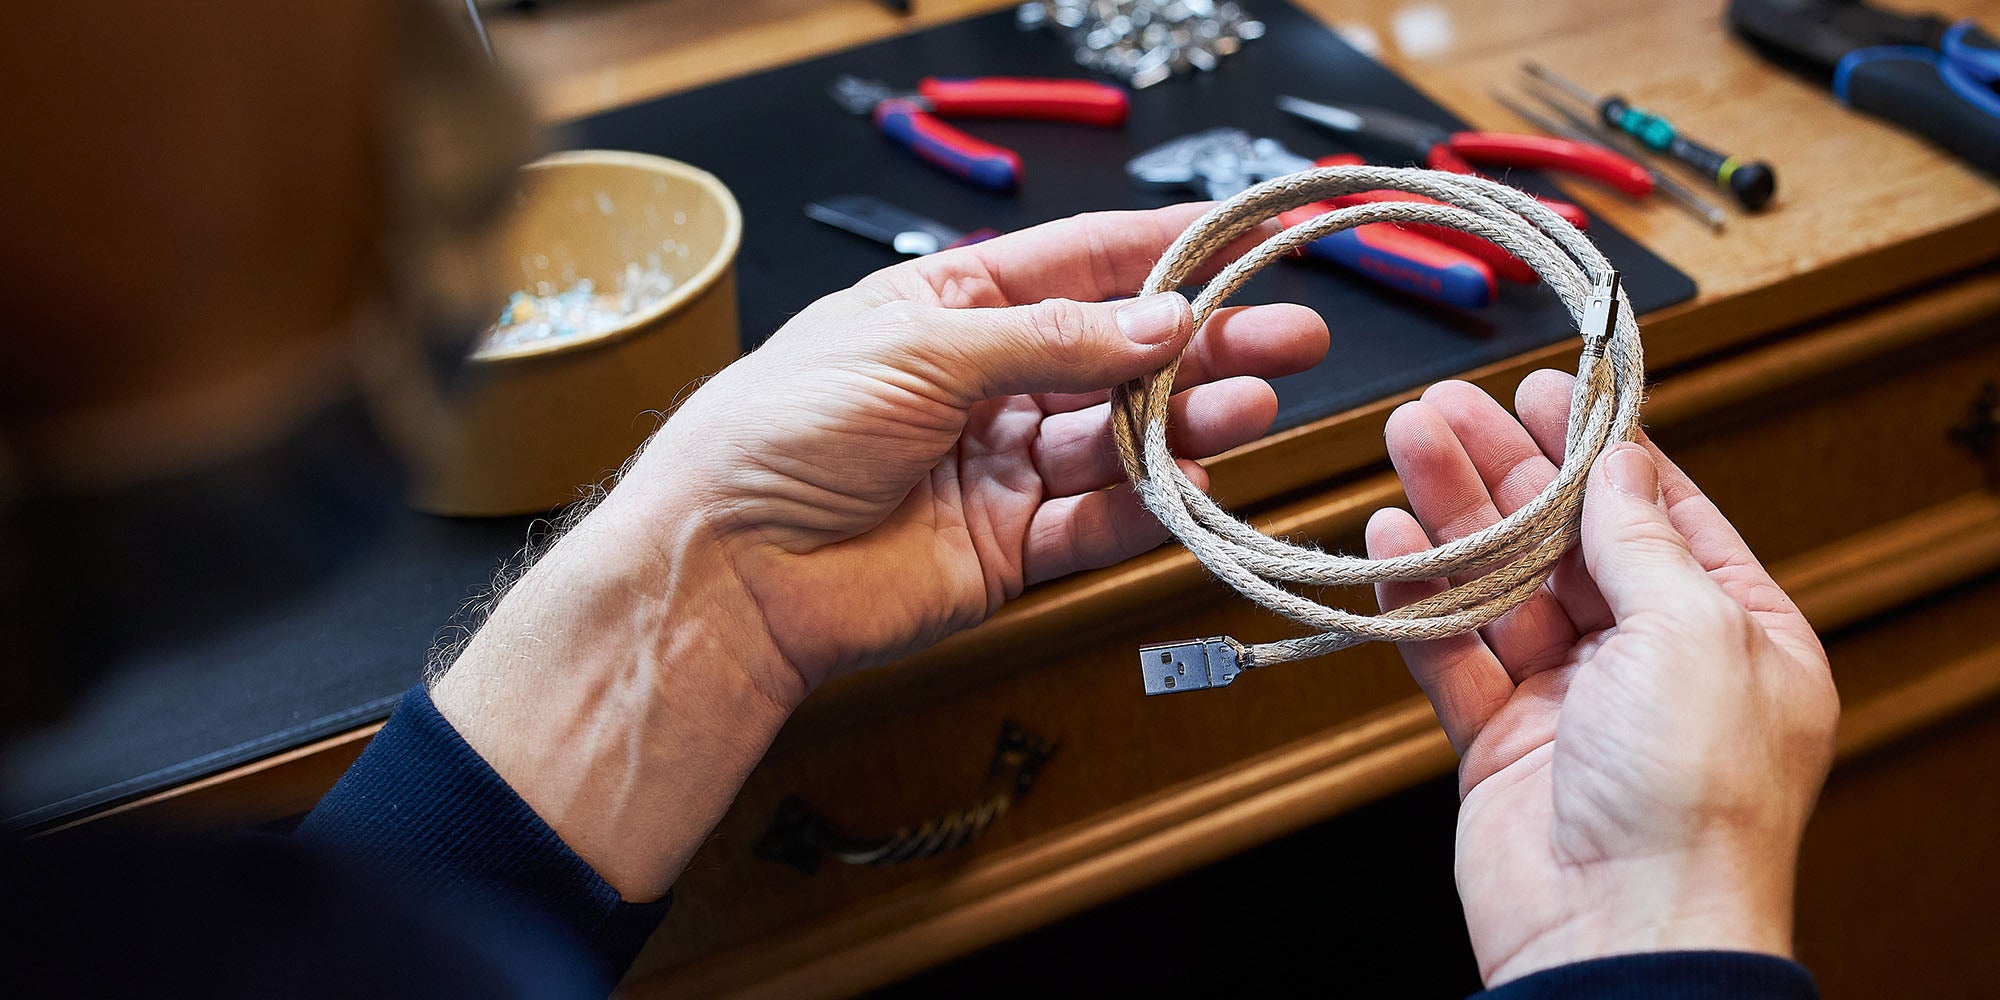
<point x="1504" y="563"/>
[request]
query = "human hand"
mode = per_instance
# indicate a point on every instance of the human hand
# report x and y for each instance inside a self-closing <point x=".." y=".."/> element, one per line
<point x="904" y="456"/>
<point x="1641" y="742"/>
<point x="897" y="461"/>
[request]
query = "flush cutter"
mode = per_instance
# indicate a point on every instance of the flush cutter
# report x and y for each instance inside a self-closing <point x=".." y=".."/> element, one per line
<point x="1222" y="162"/>
<point x="912" y="119"/>
<point x="897" y="228"/>
<point x="1439" y="148"/>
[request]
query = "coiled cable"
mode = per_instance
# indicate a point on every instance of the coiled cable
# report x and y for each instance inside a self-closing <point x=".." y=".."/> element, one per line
<point x="1504" y="563"/>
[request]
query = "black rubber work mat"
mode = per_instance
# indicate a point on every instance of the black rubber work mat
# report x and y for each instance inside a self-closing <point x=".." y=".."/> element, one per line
<point x="341" y="656"/>
<point x="778" y="141"/>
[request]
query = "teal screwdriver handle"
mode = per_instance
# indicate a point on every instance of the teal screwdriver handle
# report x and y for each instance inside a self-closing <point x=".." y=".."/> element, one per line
<point x="1751" y="182"/>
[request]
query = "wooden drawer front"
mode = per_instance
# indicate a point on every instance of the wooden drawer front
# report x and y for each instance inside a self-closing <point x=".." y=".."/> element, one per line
<point x="1841" y="450"/>
<point x="1897" y="877"/>
<point x="1799" y="466"/>
<point x="1116" y="747"/>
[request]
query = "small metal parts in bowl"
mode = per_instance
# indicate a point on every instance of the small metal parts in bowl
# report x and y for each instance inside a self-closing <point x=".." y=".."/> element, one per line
<point x="1144" y="42"/>
<point x="579" y="310"/>
<point x="624" y="265"/>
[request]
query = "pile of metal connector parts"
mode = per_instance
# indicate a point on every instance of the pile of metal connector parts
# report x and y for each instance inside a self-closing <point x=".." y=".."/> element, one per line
<point x="1144" y="42"/>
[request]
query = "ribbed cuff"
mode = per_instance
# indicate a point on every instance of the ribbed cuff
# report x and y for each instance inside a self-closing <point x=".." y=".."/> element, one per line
<point x="1666" y="975"/>
<point x="423" y="808"/>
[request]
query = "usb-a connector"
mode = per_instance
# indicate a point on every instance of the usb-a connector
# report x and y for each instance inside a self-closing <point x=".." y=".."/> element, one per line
<point x="1193" y="665"/>
<point x="1600" y="313"/>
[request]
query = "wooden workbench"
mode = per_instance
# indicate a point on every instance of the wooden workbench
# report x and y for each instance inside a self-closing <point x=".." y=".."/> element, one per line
<point x="1822" y="387"/>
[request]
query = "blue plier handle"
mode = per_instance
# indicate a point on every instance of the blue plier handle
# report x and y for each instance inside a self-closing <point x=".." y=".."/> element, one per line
<point x="1946" y="93"/>
<point x="1972" y="52"/>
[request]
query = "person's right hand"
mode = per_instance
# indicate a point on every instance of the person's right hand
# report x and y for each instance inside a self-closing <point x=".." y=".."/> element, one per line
<point x="1642" y="741"/>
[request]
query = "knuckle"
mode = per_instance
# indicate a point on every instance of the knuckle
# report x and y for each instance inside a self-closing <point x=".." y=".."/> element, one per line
<point x="899" y="317"/>
<point x="899" y="335"/>
<point x="1653" y="638"/>
<point x="1063" y="325"/>
<point x="1655" y="541"/>
<point x="895" y="330"/>
<point x="1452" y="391"/>
<point x="1701" y="617"/>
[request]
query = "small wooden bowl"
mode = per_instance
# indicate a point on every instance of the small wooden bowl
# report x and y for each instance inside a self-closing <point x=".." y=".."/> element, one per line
<point x="537" y="424"/>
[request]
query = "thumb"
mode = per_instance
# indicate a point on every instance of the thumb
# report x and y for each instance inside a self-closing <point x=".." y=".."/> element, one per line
<point x="1638" y="559"/>
<point x="1056" y="345"/>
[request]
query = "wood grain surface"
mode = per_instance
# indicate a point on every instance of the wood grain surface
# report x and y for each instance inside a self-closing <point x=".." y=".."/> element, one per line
<point x="1894" y="685"/>
<point x="1809" y="387"/>
<point x="1850" y="187"/>
<point x="1864" y="211"/>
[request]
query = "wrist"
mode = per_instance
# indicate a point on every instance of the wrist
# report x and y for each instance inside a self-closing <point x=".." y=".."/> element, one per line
<point x="1704" y="901"/>
<point x="625" y="691"/>
<point x="668" y="543"/>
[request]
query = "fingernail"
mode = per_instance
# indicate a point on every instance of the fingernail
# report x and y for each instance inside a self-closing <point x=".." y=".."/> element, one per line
<point x="1632" y="472"/>
<point x="1152" y="319"/>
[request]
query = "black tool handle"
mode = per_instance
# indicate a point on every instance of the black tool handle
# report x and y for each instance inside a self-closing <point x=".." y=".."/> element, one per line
<point x="1914" y="94"/>
<point x="1971" y="44"/>
<point x="1750" y="182"/>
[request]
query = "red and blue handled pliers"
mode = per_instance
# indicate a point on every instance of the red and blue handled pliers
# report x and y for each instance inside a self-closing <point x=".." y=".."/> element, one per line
<point x="1440" y="148"/>
<point x="1415" y="259"/>
<point x="912" y="119"/>
<point x="1503" y="263"/>
<point x="1403" y="260"/>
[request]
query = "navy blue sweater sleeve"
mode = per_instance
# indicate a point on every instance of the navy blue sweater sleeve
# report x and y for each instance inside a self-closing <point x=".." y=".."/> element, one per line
<point x="1666" y="975"/>
<point x="424" y="809"/>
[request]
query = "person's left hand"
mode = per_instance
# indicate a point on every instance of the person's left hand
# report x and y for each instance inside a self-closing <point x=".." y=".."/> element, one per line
<point x="905" y="455"/>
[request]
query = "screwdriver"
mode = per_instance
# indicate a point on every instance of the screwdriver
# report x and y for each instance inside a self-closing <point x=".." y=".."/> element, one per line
<point x="1582" y="129"/>
<point x="1750" y="182"/>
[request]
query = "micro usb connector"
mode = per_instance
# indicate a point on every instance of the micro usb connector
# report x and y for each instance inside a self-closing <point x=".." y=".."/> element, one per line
<point x="1191" y="665"/>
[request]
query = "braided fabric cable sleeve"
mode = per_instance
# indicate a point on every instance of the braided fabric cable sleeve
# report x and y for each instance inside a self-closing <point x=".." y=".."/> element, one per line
<point x="1503" y="564"/>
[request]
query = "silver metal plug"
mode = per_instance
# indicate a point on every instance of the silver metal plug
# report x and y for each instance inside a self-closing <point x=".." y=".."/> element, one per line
<point x="1191" y="665"/>
<point x="1600" y="313"/>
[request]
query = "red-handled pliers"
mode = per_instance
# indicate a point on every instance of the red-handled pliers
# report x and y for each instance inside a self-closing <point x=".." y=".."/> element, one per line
<point x="1502" y="263"/>
<point x="911" y="119"/>
<point x="1440" y="148"/>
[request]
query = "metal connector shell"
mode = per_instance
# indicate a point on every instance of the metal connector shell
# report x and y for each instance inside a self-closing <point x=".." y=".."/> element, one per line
<point x="1600" y="313"/>
<point x="1191" y="665"/>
